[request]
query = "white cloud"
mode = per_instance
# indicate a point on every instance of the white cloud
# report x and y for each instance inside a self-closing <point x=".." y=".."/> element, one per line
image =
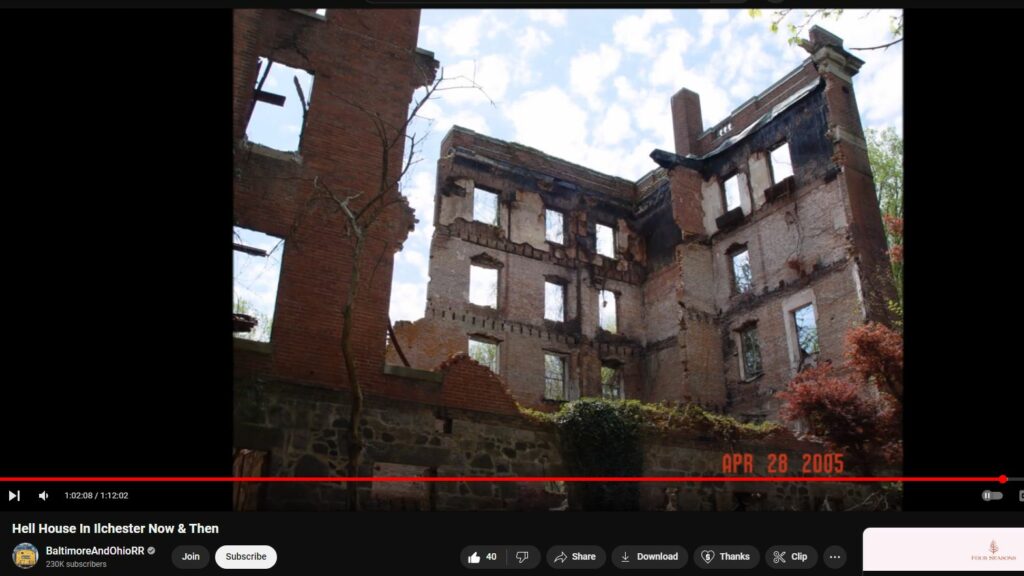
<point x="430" y="37"/>
<point x="556" y="18"/>
<point x="741" y="90"/>
<point x="408" y="300"/>
<point x="430" y="110"/>
<point x="438" y="122"/>
<point x="653" y="113"/>
<point x="539" y="114"/>
<point x="650" y="109"/>
<point x="490" y="75"/>
<point x="589" y="70"/>
<point x="420" y="193"/>
<point x="670" y="72"/>
<point x="748" y="60"/>
<point x="462" y="36"/>
<point x="665" y="69"/>
<point x="468" y="119"/>
<point x="625" y="90"/>
<point x="532" y="41"/>
<point x="615" y="127"/>
<point x="634" y="32"/>
<point x="880" y="92"/>
<point x="678" y="40"/>
<point x="412" y="263"/>
<point x="417" y="260"/>
<point x="639" y="158"/>
<point x="709" y="20"/>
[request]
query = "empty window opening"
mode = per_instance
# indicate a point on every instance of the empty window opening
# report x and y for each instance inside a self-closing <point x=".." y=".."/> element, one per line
<point x="280" y="104"/>
<point x="742" y="279"/>
<point x="485" y="207"/>
<point x="554" y="302"/>
<point x="806" y="330"/>
<point x="483" y="286"/>
<point x="554" y="226"/>
<point x="611" y="383"/>
<point x="554" y="376"/>
<point x="605" y="241"/>
<point x="606" y="317"/>
<point x="750" y="352"/>
<point x="782" y="164"/>
<point x="731" y="190"/>
<point x="484" y="352"/>
<point x="257" y="268"/>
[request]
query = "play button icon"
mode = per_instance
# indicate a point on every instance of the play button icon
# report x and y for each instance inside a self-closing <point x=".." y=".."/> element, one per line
<point x="14" y="496"/>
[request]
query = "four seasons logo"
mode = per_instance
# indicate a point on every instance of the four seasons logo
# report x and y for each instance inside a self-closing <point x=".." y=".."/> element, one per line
<point x="993" y="549"/>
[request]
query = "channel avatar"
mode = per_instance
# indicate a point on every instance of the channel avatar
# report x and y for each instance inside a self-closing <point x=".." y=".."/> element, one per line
<point x="25" y="555"/>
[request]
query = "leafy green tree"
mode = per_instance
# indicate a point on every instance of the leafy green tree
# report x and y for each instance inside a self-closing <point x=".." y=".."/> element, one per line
<point x="885" y="151"/>
<point x="795" y="27"/>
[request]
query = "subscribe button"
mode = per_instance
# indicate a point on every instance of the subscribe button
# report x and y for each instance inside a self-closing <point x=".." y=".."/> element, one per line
<point x="246" y="557"/>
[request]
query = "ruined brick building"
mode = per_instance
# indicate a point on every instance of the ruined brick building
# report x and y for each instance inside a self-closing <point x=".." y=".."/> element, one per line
<point x="747" y="255"/>
<point x="677" y="326"/>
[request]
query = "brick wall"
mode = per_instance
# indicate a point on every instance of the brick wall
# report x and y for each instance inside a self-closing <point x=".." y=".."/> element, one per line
<point x="444" y="331"/>
<point x="360" y="59"/>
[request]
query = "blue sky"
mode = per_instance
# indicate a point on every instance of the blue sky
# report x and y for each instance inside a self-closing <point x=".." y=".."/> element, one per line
<point x="593" y="87"/>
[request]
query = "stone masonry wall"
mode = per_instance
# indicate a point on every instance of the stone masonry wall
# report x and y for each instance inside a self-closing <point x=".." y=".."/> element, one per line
<point x="303" y="429"/>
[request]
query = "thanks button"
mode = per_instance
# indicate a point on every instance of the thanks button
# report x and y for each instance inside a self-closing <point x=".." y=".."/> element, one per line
<point x="734" y="557"/>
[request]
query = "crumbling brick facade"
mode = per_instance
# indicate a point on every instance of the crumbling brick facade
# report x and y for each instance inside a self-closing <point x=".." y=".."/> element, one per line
<point x="366" y="65"/>
<point x="722" y="293"/>
<point x="448" y="414"/>
<point x="362" y="61"/>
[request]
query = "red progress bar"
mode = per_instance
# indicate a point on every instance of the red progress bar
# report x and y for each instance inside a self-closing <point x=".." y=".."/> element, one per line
<point x="1000" y="479"/>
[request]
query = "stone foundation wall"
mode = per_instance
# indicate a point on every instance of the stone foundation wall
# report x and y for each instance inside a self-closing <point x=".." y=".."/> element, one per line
<point x="303" y="430"/>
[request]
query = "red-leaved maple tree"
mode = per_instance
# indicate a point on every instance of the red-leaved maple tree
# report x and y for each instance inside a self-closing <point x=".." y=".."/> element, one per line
<point x="857" y="409"/>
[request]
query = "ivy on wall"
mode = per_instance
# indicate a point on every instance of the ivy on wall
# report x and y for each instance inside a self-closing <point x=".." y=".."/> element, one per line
<point x="602" y="438"/>
<point x="599" y="437"/>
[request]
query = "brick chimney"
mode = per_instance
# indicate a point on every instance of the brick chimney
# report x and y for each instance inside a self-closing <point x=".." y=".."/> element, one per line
<point x="686" y="121"/>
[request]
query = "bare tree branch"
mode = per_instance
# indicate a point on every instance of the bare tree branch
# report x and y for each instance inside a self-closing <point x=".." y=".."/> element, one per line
<point x="880" y="46"/>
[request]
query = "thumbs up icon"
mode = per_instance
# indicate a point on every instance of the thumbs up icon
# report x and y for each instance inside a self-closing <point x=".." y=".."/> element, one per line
<point x="474" y="558"/>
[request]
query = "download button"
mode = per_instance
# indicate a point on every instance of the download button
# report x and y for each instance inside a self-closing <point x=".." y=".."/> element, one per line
<point x="667" y="557"/>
